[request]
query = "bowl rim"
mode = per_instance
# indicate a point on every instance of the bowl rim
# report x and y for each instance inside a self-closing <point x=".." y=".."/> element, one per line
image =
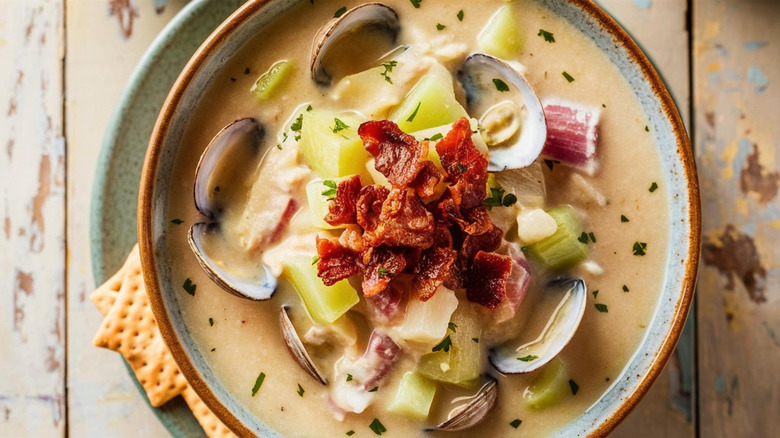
<point x="223" y="32"/>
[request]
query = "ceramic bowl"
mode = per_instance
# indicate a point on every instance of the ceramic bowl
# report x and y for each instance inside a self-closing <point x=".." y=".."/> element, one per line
<point x="677" y="162"/>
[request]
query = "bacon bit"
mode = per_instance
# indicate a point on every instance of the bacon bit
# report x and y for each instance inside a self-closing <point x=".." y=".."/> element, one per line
<point x="434" y="267"/>
<point x="426" y="181"/>
<point x="369" y="206"/>
<point x="382" y="265"/>
<point x="336" y="262"/>
<point x="342" y="210"/>
<point x="464" y="165"/>
<point x="387" y="305"/>
<point x="478" y="220"/>
<point x="399" y="156"/>
<point x="404" y="221"/>
<point x="572" y="134"/>
<point x="378" y="360"/>
<point x="352" y="238"/>
<point x="487" y="279"/>
<point x="487" y="242"/>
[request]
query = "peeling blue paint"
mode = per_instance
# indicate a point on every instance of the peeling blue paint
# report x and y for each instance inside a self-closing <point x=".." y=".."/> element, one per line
<point x="744" y="148"/>
<point x="755" y="45"/>
<point x="757" y="77"/>
<point x="644" y="4"/>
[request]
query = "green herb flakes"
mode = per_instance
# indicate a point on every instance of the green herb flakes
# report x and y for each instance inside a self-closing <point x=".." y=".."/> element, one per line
<point x="297" y="125"/>
<point x="516" y="423"/>
<point x="595" y="293"/>
<point x="339" y="126"/>
<point x="583" y="238"/>
<point x="416" y="3"/>
<point x="374" y="389"/>
<point x="625" y="288"/>
<point x="574" y="387"/>
<point x="444" y="345"/>
<point x="315" y="259"/>
<point x="529" y="358"/>
<point x="177" y="221"/>
<point x="640" y="248"/>
<point x="460" y="15"/>
<point x="551" y="164"/>
<point x="500" y="85"/>
<point x="376" y="425"/>
<point x="389" y="66"/>
<point x="300" y="390"/>
<point x="383" y="272"/>
<point x="414" y="114"/>
<point x="653" y="187"/>
<point x="623" y="218"/>
<point x="350" y="432"/>
<point x="499" y="199"/>
<point x="476" y="340"/>
<point x="330" y="192"/>
<point x="647" y="129"/>
<point x="189" y="287"/>
<point x="340" y="12"/>
<point x="568" y="77"/>
<point x="524" y="248"/>
<point x="548" y="36"/>
<point x="309" y="108"/>
<point x="592" y="237"/>
<point x="349" y="377"/>
<point x="211" y="322"/>
<point x="452" y="326"/>
<point x="258" y="384"/>
<point x="602" y="308"/>
<point x="440" y="26"/>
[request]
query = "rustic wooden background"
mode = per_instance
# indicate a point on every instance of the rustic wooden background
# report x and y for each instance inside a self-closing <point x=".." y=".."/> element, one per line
<point x="64" y="63"/>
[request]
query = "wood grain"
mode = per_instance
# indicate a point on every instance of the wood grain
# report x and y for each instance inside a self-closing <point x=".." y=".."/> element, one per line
<point x="32" y="197"/>
<point x="737" y="95"/>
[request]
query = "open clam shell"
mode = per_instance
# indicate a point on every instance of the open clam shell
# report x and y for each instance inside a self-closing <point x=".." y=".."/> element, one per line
<point x="561" y="325"/>
<point x="368" y="16"/>
<point x="221" y="162"/>
<point x="474" y="412"/>
<point x="511" y="115"/>
<point x="296" y="348"/>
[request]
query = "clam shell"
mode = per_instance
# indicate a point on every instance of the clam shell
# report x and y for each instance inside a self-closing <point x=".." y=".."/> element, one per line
<point x="473" y="413"/>
<point x="296" y="348"/>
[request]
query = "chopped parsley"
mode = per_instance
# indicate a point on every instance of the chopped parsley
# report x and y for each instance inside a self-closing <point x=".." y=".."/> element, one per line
<point x="595" y="293"/>
<point x="499" y="199"/>
<point x="440" y="26"/>
<point x="189" y="287"/>
<point x="583" y="238"/>
<point x="247" y="71"/>
<point x="592" y="237"/>
<point x="339" y="126"/>
<point x="625" y="288"/>
<point x="460" y="15"/>
<point x="383" y="272"/>
<point x="516" y="423"/>
<point x="309" y="108"/>
<point x="436" y="137"/>
<point x="444" y="345"/>
<point x="568" y="77"/>
<point x="647" y="129"/>
<point x="452" y="326"/>
<point x="416" y="3"/>
<point x="476" y="340"/>
<point x="374" y="389"/>
<point x="300" y="390"/>
<point x="296" y="126"/>
<point x="462" y="167"/>
<point x="349" y="377"/>
<point x="640" y="248"/>
<point x="330" y="193"/>
<point x="340" y="12"/>
<point x="177" y="221"/>
<point x="653" y="187"/>
<point x="389" y="66"/>
<point x="258" y="384"/>
<point x="548" y="36"/>
<point x="623" y="218"/>
<point x="574" y="387"/>
<point x="551" y="164"/>
<point x="315" y="259"/>
<point x="529" y="358"/>
<point x="602" y="308"/>
<point x="500" y="85"/>
<point x="414" y="114"/>
<point x="350" y="432"/>
<point x="376" y="425"/>
<point x="211" y="322"/>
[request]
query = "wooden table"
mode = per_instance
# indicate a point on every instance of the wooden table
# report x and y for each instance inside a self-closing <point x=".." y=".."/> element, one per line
<point x="64" y="63"/>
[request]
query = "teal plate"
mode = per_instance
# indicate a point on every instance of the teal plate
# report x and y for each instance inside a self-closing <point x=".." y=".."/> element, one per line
<point x="115" y="191"/>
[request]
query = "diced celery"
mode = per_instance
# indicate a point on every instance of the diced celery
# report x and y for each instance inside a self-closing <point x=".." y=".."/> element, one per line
<point x="333" y="154"/>
<point x="269" y="82"/>
<point x="501" y="36"/>
<point x="548" y="386"/>
<point x="562" y="250"/>
<point x="462" y="364"/>
<point x="429" y="104"/>
<point x="426" y="322"/>
<point x="414" y="396"/>
<point x="325" y="304"/>
<point x="318" y="203"/>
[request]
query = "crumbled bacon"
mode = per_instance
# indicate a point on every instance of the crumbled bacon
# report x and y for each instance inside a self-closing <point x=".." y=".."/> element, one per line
<point x="404" y="221"/>
<point x="426" y="181"/>
<point x="369" y="206"/>
<point x="487" y="279"/>
<point x="434" y="267"/>
<point x="341" y="209"/>
<point x="487" y="242"/>
<point x="352" y="238"/>
<point x="399" y="156"/>
<point x="382" y="264"/>
<point x="336" y="262"/>
<point x="465" y="165"/>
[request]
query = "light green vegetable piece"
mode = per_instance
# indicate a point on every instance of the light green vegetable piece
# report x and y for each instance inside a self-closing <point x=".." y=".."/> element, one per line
<point x="318" y="203"/>
<point x="430" y="103"/>
<point x="462" y="364"/>
<point x="325" y="304"/>
<point x="548" y="387"/>
<point x="501" y="36"/>
<point x="562" y="250"/>
<point x="272" y="80"/>
<point x="414" y="396"/>
<point x="333" y="154"/>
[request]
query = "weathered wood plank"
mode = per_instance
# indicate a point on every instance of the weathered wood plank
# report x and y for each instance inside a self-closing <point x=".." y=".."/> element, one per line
<point x="102" y="399"/>
<point x="659" y="26"/>
<point x="737" y="77"/>
<point x="32" y="193"/>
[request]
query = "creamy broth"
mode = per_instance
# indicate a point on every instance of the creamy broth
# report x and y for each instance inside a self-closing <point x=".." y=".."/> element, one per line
<point x="245" y="339"/>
